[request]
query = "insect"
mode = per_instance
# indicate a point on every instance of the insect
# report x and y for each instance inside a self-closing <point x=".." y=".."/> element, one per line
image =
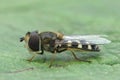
<point x="56" y="42"/>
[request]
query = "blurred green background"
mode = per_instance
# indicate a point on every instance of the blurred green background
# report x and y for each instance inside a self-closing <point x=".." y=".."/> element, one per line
<point x="66" y="16"/>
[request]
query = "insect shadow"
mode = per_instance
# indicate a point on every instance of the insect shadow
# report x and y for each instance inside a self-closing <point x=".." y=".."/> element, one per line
<point x="66" y="58"/>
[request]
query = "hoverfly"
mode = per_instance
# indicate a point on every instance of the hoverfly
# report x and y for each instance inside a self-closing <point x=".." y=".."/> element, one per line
<point x="56" y="42"/>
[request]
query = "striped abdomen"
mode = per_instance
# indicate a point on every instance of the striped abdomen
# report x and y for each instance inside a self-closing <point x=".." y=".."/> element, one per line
<point x="77" y="44"/>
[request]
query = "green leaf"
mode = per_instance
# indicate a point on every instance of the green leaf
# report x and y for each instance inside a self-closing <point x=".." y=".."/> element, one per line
<point x="69" y="17"/>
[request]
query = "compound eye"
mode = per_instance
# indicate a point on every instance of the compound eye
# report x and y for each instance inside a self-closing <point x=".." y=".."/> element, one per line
<point x="21" y="39"/>
<point x="33" y="42"/>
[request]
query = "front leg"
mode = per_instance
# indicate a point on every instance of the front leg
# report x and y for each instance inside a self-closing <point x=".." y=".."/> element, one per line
<point x="34" y="54"/>
<point x="31" y="58"/>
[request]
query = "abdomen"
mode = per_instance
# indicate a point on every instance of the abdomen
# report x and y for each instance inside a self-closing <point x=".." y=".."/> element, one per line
<point x="78" y="45"/>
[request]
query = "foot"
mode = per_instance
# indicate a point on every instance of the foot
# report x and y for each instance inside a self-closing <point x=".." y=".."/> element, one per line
<point x="56" y="65"/>
<point x="30" y="60"/>
<point x="83" y="60"/>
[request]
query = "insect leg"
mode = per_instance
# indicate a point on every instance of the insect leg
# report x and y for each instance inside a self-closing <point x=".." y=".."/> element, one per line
<point x="52" y="59"/>
<point x="30" y="59"/>
<point x="78" y="58"/>
<point x="44" y="58"/>
<point x="59" y="51"/>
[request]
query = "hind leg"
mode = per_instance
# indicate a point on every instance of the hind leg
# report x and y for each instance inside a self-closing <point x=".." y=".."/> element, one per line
<point x="78" y="58"/>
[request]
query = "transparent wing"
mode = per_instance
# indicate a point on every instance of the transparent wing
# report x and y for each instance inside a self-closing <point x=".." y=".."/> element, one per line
<point x="88" y="39"/>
